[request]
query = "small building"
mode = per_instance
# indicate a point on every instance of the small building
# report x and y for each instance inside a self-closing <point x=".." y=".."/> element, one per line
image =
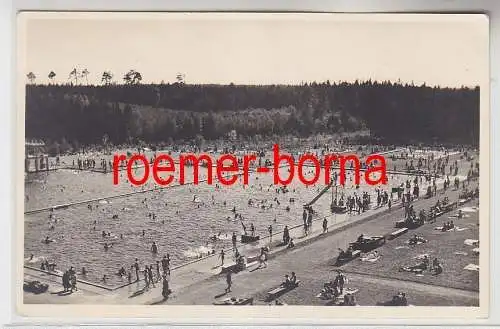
<point x="35" y="158"/>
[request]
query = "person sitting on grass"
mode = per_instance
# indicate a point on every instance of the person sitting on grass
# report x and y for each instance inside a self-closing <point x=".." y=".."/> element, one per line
<point x="329" y="290"/>
<point x="436" y="268"/>
<point x="347" y="253"/>
<point x="400" y="299"/>
<point x="349" y="300"/>
<point x="448" y="226"/>
<point x="422" y="266"/>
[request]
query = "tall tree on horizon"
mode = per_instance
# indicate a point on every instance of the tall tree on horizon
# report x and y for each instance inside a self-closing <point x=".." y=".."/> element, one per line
<point x="107" y="76"/>
<point x="132" y="77"/>
<point x="74" y="74"/>
<point x="31" y="77"/>
<point x="85" y="73"/>
<point x="51" y="76"/>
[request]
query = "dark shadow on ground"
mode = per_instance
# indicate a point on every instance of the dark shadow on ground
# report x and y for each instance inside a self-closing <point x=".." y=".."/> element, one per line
<point x="257" y="268"/>
<point x="220" y="295"/>
<point x="62" y="293"/>
<point x="137" y="293"/>
<point x="161" y="301"/>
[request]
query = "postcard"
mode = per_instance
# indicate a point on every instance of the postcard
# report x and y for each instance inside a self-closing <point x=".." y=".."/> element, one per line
<point x="279" y="167"/>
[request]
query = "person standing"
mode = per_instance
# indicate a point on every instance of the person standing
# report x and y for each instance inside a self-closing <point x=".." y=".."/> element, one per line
<point x="325" y="225"/>
<point x="340" y="280"/>
<point x="150" y="275"/>
<point x="233" y="239"/>
<point x="158" y="275"/>
<point x="263" y="257"/>
<point x="146" y="279"/>
<point x="65" y="281"/>
<point x="168" y="263"/>
<point x="136" y="267"/>
<point x="270" y="229"/>
<point x="286" y="235"/>
<point x="229" y="281"/>
<point x="222" y="255"/>
<point x="165" y="289"/>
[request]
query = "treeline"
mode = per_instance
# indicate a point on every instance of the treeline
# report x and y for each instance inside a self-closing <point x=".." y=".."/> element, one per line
<point x="394" y="113"/>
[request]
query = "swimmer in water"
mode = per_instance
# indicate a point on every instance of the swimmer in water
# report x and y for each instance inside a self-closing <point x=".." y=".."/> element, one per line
<point x="121" y="272"/>
<point x="154" y="248"/>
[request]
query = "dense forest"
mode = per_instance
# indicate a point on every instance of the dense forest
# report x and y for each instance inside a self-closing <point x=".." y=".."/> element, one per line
<point x="393" y="113"/>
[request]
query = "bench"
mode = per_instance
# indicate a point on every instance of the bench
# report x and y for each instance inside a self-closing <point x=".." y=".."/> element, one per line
<point x="397" y="233"/>
<point x="281" y="290"/>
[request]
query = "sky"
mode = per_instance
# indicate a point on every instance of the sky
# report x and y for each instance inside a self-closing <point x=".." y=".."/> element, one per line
<point x="445" y="50"/>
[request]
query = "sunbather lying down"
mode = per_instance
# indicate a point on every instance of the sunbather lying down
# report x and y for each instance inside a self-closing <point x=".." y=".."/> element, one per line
<point x="370" y="257"/>
<point x="471" y="242"/>
<point x="416" y="240"/>
<point x="418" y="268"/>
<point x="447" y="228"/>
<point x="331" y="291"/>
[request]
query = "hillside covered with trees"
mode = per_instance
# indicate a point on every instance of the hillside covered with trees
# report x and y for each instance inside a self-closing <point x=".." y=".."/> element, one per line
<point x="394" y="113"/>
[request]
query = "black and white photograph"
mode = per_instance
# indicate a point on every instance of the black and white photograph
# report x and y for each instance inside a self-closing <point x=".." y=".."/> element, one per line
<point x="255" y="160"/>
